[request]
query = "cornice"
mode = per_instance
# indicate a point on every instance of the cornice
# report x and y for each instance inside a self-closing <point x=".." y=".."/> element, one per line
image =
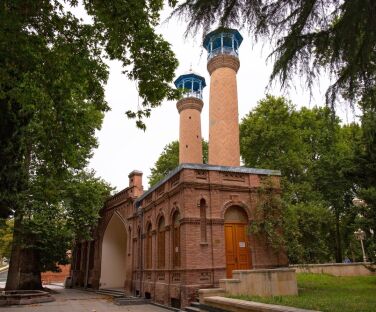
<point x="223" y="60"/>
<point x="189" y="103"/>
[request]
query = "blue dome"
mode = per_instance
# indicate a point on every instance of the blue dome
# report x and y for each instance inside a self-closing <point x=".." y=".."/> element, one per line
<point x="192" y="84"/>
<point x="223" y="41"/>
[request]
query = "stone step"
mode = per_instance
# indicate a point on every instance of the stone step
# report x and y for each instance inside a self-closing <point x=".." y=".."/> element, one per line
<point x="192" y="309"/>
<point x="111" y="292"/>
<point x="131" y="301"/>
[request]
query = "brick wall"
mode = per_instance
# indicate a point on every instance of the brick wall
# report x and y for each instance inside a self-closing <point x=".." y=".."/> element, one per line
<point x="56" y="277"/>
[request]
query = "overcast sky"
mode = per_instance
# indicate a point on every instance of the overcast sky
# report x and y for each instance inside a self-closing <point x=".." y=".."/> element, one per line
<point x="123" y="147"/>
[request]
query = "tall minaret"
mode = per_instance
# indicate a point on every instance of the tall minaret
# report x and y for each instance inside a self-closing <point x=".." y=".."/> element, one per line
<point x="189" y="107"/>
<point x="223" y="64"/>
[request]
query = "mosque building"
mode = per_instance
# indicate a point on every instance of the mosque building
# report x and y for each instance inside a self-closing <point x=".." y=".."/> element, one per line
<point x="193" y="227"/>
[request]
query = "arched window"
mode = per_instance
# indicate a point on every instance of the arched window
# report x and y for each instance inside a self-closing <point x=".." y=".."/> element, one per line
<point x="148" y="254"/>
<point x="176" y="239"/>
<point x="203" y="220"/>
<point x="161" y="243"/>
<point x="137" y="250"/>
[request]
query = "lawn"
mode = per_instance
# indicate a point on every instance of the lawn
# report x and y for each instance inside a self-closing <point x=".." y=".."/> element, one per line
<point x="329" y="293"/>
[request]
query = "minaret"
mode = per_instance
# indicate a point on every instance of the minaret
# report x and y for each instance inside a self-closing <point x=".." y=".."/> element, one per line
<point x="189" y="107"/>
<point x="223" y="64"/>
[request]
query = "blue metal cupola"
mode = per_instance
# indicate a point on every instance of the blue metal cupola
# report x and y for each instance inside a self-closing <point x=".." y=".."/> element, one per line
<point x="192" y="84"/>
<point x="223" y="41"/>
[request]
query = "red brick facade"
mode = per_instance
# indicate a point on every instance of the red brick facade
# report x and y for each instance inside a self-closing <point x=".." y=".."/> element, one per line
<point x="177" y="237"/>
<point x="188" y="191"/>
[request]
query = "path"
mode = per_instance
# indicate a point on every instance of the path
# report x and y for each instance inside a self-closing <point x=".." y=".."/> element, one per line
<point x="3" y="278"/>
<point x="73" y="300"/>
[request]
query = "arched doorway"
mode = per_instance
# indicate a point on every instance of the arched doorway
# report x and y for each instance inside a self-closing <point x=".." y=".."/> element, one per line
<point x="114" y="247"/>
<point x="236" y="240"/>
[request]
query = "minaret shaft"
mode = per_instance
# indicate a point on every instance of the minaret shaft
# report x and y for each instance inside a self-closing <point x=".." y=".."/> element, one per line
<point x="224" y="148"/>
<point x="190" y="141"/>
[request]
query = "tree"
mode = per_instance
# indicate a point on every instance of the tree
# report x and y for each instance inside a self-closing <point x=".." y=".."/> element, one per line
<point x="52" y="76"/>
<point x="313" y="152"/>
<point x="6" y="237"/>
<point x="309" y="37"/>
<point x="169" y="160"/>
<point x="308" y="230"/>
<point x="364" y="173"/>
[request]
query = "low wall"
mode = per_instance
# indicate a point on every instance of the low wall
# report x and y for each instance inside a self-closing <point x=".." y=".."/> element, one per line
<point x="56" y="277"/>
<point x="337" y="269"/>
<point x="265" y="282"/>
<point x="235" y="305"/>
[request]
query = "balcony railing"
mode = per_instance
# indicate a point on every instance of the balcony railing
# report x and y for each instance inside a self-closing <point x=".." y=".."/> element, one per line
<point x="223" y="50"/>
<point x="191" y="93"/>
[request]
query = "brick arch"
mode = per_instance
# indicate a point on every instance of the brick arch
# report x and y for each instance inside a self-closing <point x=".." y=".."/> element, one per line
<point x="175" y="208"/>
<point x="113" y="249"/>
<point x="125" y="222"/>
<point x="202" y="197"/>
<point x="107" y="218"/>
<point x="160" y="215"/>
<point x="147" y="223"/>
<point x="240" y="204"/>
<point x="139" y="232"/>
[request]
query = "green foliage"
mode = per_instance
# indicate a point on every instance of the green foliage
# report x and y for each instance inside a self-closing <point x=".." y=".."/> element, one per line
<point x="52" y="77"/>
<point x="309" y="37"/>
<point x="267" y="220"/>
<point x="169" y="160"/>
<point x="314" y="153"/>
<point x="307" y="227"/>
<point x="6" y="238"/>
<point x="58" y="216"/>
<point x="328" y="293"/>
<point x="364" y="173"/>
<point x="125" y="30"/>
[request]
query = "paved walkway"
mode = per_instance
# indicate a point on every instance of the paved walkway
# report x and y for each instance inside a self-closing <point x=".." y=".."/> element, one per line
<point x="74" y="300"/>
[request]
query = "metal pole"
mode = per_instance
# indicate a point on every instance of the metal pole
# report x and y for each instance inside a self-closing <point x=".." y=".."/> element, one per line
<point x="364" y="254"/>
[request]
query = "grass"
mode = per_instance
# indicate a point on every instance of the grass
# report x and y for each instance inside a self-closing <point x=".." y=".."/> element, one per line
<point x="328" y="293"/>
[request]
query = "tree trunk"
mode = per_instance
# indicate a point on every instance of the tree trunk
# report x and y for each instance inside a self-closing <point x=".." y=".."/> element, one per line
<point x="24" y="266"/>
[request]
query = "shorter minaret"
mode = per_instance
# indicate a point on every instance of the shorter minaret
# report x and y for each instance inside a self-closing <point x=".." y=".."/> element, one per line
<point x="189" y="107"/>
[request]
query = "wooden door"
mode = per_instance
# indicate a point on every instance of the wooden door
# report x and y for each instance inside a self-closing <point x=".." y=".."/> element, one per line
<point x="237" y="248"/>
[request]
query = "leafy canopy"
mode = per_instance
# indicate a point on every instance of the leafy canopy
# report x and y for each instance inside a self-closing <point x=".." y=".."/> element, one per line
<point x="169" y="160"/>
<point x="52" y="77"/>
<point x="6" y="237"/>
<point x="314" y="153"/>
<point x="309" y="37"/>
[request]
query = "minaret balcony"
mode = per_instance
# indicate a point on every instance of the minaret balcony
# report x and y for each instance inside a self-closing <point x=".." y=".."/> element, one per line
<point x="223" y="41"/>
<point x="191" y="84"/>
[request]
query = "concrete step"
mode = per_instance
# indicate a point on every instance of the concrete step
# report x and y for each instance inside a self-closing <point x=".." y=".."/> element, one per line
<point x="111" y="292"/>
<point x="192" y="309"/>
<point x="131" y="301"/>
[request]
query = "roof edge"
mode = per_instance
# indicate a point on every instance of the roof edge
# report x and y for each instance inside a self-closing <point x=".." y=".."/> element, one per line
<point x="209" y="168"/>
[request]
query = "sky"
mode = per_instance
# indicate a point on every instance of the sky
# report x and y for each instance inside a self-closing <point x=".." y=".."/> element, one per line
<point x="124" y="148"/>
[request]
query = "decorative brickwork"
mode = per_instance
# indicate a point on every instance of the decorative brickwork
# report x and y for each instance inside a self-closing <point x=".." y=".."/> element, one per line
<point x="223" y="60"/>
<point x="189" y="103"/>
<point x="202" y="263"/>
